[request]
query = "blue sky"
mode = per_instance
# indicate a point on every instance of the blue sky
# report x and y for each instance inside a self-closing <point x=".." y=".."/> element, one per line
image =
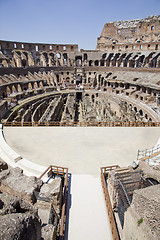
<point x="67" y="21"/>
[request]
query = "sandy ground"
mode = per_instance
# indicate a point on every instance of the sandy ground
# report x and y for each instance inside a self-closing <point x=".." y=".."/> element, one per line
<point x="83" y="151"/>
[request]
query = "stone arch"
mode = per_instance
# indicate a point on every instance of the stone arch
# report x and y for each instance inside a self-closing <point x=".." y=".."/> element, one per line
<point x="8" y="90"/>
<point x="104" y="55"/>
<point x="102" y="63"/>
<point x="141" y="112"/>
<point x="19" y="89"/>
<point x="102" y="81"/>
<point x="85" y="56"/>
<point x="46" y="57"/>
<point x="99" y="78"/>
<point x="68" y="79"/>
<point x="30" y="85"/>
<point x="96" y="63"/>
<point x="35" y="85"/>
<point x="78" y="61"/>
<point x="58" y="55"/>
<point x="40" y="84"/>
<point x="140" y="61"/>
<point x="51" y="60"/>
<point x="57" y="77"/>
<point x="24" y="63"/>
<point x="19" y="53"/>
<point x="4" y="63"/>
<point x="65" y="58"/>
<point x="146" y="116"/>
<point x="14" y="89"/>
<point x="105" y="83"/>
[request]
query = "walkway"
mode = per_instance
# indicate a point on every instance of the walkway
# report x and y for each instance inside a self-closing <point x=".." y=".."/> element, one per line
<point x="88" y="219"/>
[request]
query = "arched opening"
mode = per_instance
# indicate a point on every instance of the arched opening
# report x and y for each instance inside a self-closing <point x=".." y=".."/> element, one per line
<point x="138" y="88"/>
<point x="68" y="79"/>
<point x="146" y="116"/>
<point x="19" y="89"/>
<point x="8" y="90"/>
<point x="40" y="84"/>
<point x="140" y="61"/>
<point x="102" y="63"/>
<point x="99" y="78"/>
<point x="102" y="79"/>
<point x="109" y="74"/>
<point x="96" y="63"/>
<point x="105" y="83"/>
<point x="65" y="59"/>
<point x="37" y="61"/>
<point x="58" y="55"/>
<point x="35" y="85"/>
<point x="78" y="60"/>
<point x="90" y="63"/>
<point x="141" y="112"/>
<point x="127" y="86"/>
<point x="13" y="89"/>
<point x="19" y="53"/>
<point x="85" y="56"/>
<point x="57" y="77"/>
<point x="116" y="84"/>
<point x="104" y="56"/>
<point x="29" y="86"/>
<point x="24" y="63"/>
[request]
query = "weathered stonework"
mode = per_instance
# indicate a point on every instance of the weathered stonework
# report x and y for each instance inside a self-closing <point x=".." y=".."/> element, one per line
<point x="25" y="188"/>
<point x="29" y="208"/>
<point x="135" y="201"/>
<point x="18" y="219"/>
<point x="142" y="34"/>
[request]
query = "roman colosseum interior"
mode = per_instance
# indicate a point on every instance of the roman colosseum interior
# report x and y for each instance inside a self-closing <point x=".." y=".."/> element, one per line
<point x="116" y="85"/>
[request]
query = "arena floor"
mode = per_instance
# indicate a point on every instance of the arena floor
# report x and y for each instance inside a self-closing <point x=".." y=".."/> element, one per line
<point x="83" y="151"/>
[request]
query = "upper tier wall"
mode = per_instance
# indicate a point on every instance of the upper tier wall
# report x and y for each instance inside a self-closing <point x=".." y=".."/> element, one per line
<point x="9" y="46"/>
<point x="139" y="31"/>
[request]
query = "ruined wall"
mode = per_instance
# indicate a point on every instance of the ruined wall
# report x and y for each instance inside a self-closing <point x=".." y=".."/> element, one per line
<point x="137" y="34"/>
<point x="143" y="215"/>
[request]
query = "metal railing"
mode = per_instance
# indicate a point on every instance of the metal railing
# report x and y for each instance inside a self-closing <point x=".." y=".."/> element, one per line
<point x="83" y="124"/>
<point x="60" y="171"/>
<point x="148" y="153"/>
<point x="114" y="229"/>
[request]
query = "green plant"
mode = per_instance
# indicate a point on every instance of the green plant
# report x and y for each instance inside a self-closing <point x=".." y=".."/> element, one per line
<point x="140" y="221"/>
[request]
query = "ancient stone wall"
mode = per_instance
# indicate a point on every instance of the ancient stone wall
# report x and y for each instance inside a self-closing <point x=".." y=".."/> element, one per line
<point x="9" y="45"/>
<point x="140" y="34"/>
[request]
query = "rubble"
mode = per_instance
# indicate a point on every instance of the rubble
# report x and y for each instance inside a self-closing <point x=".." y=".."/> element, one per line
<point x="29" y="208"/>
<point x="15" y="183"/>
